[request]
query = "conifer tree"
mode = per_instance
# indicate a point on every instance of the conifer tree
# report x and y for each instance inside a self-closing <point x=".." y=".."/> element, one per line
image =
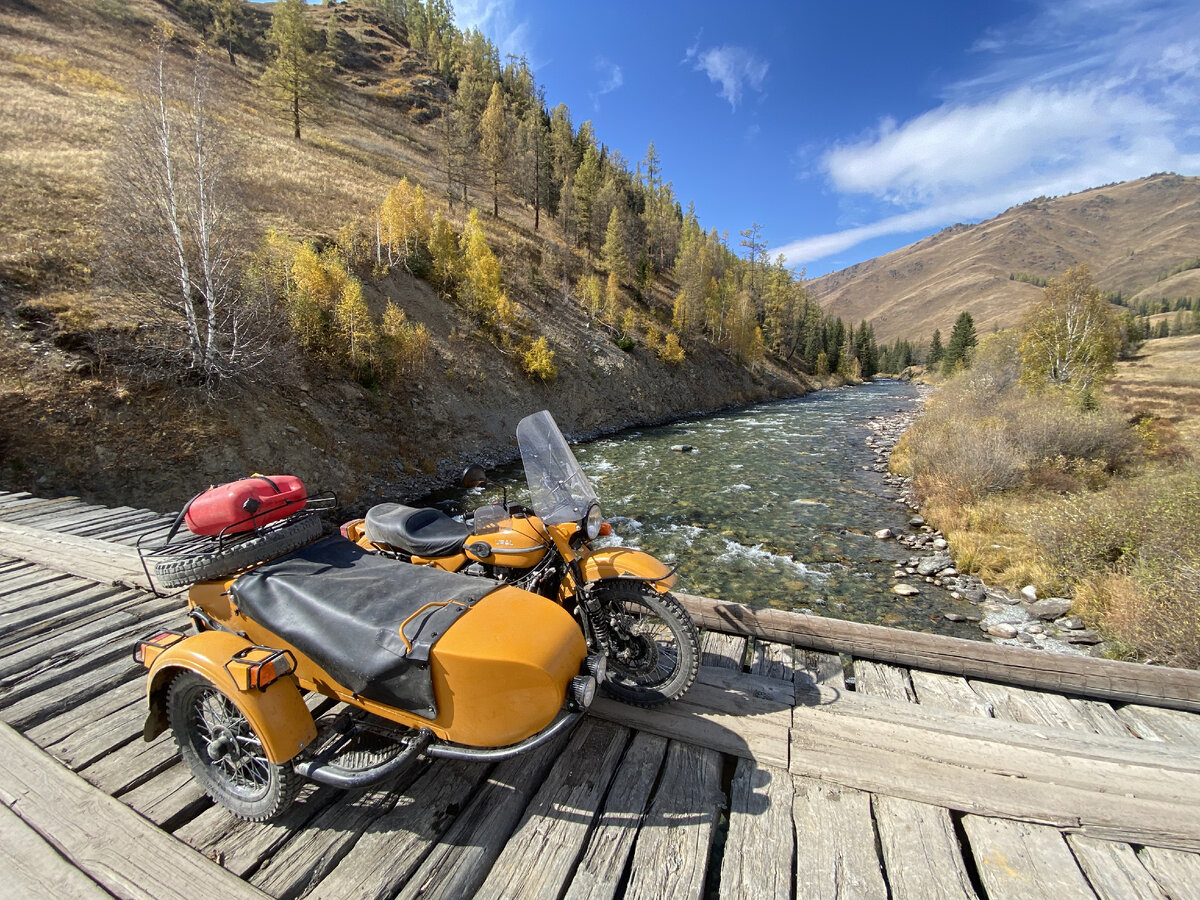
<point x="962" y="339"/>
<point x="936" y="351"/>
<point x="494" y="143"/>
<point x="615" y="258"/>
<point x="297" y="74"/>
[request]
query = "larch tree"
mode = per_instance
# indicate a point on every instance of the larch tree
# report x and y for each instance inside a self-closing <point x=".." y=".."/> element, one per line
<point x="495" y="144"/>
<point x="1071" y="338"/>
<point x="616" y="260"/>
<point x="297" y="74"/>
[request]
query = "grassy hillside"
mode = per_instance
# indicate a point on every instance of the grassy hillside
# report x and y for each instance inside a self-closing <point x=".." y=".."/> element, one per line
<point x="78" y="417"/>
<point x="1131" y="235"/>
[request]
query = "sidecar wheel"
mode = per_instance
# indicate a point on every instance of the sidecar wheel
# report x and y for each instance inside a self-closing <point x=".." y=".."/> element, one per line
<point x="186" y="570"/>
<point x="657" y="649"/>
<point x="224" y="752"/>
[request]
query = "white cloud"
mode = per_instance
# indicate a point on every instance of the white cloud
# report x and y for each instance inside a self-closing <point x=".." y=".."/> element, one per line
<point x="733" y="68"/>
<point x="611" y="78"/>
<point x="1069" y="100"/>
<point x="497" y="19"/>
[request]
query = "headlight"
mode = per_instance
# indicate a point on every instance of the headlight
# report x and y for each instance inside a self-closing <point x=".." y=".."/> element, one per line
<point x="593" y="522"/>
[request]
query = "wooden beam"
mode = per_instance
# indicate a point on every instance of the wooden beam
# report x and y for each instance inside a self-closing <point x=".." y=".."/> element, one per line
<point x="88" y="558"/>
<point x="1062" y="673"/>
<point x="106" y="840"/>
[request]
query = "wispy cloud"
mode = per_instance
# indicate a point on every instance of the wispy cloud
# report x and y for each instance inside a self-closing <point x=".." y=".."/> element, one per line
<point x="733" y="68"/>
<point x="496" y="18"/>
<point x="610" y="78"/>
<point x="1085" y="93"/>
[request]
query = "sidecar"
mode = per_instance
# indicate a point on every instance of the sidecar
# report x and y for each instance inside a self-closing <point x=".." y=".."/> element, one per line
<point x="345" y="667"/>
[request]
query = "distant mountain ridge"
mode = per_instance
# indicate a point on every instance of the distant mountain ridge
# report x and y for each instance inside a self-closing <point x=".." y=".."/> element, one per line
<point x="1139" y="238"/>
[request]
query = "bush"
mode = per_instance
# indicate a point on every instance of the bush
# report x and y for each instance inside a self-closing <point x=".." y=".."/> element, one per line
<point x="538" y="361"/>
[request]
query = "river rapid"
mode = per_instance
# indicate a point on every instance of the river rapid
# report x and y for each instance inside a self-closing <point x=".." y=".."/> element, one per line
<point x="770" y="505"/>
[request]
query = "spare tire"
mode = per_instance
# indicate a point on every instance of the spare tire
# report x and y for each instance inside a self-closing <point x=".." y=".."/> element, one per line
<point x="292" y="535"/>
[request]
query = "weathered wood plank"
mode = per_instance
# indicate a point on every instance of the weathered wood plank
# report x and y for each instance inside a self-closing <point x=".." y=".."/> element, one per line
<point x="83" y="734"/>
<point x="1113" y="870"/>
<point x="1024" y="861"/>
<point x="835" y="843"/>
<point x="556" y="824"/>
<point x="53" y="697"/>
<point x="742" y="715"/>
<point x="759" y="847"/>
<point x="817" y="668"/>
<point x="882" y="680"/>
<point x="1178" y="874"/>
<point x="33" y="868"/>
<point x="1108" y="787"/>
<point x="602" y="865"/>
<point x="948" y="692"/>
<point x="1169" y="725"/>
<point x="171" y="796"/>
<point x="772" y="660"/>
<point x="458" y="865"/>
<point x="393" y="847"/>
<point x="69" y="608"/>
<point x="1032" y="707"/>
<point x="101" y="836"/>
<point x="132" y="764"/>
<point x="920" y="851"/>
<point x="670" y="858"/>
<point x="17" y="589"/>
<point x="240" y="846"/>
<point x="723" y="651"/>
<point x="1102" y="718"/>
<point x="86" y="557"/>
<point x="1062" y="673"/>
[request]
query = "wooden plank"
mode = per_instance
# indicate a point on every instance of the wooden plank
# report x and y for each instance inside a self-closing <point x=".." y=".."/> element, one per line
<point x="1061" y="673"/>
<point x="14" y="589"/>
<point x="312" y="854"/>
<point x="760" y="843"/>
<point x="556" y="824"/>
<point x="882" y="680"/>
<point x="1113" y="870"/>
<point x="109" y="842"/>
<point x="169" y="797"/>
<point x="53" y="614"/>
<point x="670" y="858"/>
<point x="23" y="509"/>
<point x="742" y="715"/>
<point x="458" y="865"/>
<point x="948" y="692"/>
<point x="771" y="660"/>
<point x="835" y="843"/>
<point x="818" y="668"/>
<point x="132" y="764"/>
<point x="54" y="697"/>
<point x="82" y="735"/>
<point x="1032" y="707"/>
<point x="33" y="868"/>
<point x="396" y="843"/>
<point x="602" y="866"/>
<point x="1103" y="719"/>
<point x="1162" y="724"/>
<point x="920" y="851"/>
<point x="240" y="846"/>
<point x="86" y="557"/>
<point x="1024" y="861"/>
<point x="723" y="651"/>
<point x="1108" y="787"/>
<point x="1178" y="874"/>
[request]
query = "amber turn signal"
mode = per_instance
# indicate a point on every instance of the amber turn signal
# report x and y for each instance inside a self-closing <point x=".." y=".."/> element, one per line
<point x="147" y="649"/>
<point x="256" y="667"/>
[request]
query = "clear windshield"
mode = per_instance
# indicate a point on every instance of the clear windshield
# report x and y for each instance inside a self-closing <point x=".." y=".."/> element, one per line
<point x="560" y="490"/>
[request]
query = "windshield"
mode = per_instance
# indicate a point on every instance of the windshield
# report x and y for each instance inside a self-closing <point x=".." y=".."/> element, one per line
<point x="561" y="492"/>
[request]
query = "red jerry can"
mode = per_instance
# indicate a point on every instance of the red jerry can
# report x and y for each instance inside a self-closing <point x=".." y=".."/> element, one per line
<point x="245" y="505"/>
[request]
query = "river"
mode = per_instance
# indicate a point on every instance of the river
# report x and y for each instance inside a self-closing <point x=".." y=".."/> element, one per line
<point x="775" y="506"/>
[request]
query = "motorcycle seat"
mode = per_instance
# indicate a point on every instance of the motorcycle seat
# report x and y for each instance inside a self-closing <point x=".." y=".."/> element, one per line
<point x="418" y="531"/>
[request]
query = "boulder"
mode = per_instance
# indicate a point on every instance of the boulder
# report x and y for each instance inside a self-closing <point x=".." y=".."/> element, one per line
<point x="1050" y="609"/>
<point x="906" y="590"/>
<point x="931" y="565"/>
<point x="883" y="534"/>
<point x="1002" y="630"/>
<point x="1029" y="592"/>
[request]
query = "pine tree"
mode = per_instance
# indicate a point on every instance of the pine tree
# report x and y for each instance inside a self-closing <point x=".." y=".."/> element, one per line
<point x="297" y="74"/>
<point x="962" y="339"/>
<point x="936" y="351"/>
<point x="615" y="259"/>
<point x="494" y="143"/>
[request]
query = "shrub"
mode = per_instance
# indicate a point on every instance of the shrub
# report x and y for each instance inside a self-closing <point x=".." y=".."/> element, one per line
<point x="671" y="351"/>
<point x="538" y="361"/>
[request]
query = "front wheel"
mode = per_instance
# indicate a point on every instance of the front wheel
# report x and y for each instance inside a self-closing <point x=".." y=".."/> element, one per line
<point x="655" y="649"/>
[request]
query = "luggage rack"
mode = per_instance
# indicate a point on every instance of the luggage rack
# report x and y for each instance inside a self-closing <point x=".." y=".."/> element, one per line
<point x="180" y="545"/>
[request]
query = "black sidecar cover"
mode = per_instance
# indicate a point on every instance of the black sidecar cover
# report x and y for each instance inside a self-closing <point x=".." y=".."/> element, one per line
<point x="342" y="607"/>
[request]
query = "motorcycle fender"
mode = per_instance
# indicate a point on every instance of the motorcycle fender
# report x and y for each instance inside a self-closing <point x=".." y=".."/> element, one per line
<point x="624" y="562"/>
<point x="277" y="712"/>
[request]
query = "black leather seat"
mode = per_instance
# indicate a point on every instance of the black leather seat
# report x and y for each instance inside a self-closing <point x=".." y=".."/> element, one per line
<point x="420" y="532"/>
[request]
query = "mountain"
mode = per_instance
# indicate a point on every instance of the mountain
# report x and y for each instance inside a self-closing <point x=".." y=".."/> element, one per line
<point x="1140" y="239"/>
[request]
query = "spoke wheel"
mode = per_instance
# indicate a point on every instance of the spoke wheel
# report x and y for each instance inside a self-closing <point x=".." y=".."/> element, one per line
<point x="224" y="752"/>
<point x="656" y="649"/>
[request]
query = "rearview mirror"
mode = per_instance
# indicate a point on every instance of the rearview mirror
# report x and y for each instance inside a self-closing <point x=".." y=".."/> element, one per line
<point x="474" y="476"/>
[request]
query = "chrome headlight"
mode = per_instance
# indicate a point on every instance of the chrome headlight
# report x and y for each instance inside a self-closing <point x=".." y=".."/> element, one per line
<point x="593" y="522"/>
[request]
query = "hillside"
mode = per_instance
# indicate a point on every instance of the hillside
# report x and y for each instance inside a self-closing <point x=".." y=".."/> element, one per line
<point x="79" y="414"/>
<point x="1130" y="235"/>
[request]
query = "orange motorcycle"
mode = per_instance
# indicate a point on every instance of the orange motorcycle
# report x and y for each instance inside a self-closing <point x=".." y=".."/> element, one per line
<point x="619" y="596"/>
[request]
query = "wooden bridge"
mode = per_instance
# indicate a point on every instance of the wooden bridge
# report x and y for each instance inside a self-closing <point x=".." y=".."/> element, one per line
<point x="813" y="758"/>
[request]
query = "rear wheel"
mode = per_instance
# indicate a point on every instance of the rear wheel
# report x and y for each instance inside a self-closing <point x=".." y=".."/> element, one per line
<point x="224" y="752"/>
<point x="656" y="650"/>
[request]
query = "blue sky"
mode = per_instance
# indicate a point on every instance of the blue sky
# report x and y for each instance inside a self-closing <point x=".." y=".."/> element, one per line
<point x="850" y="129"/>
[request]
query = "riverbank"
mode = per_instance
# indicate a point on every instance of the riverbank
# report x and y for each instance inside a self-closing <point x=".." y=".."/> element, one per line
<point x="1013" y="618"/>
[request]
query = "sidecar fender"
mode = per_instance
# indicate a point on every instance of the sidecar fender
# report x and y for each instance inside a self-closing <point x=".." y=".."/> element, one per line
<point x="624" y="562"/>
<point x="277" y="712"/>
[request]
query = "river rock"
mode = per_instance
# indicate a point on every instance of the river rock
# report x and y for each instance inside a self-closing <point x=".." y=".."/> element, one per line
<point x="1082" y="636"/>
<point x="940" y="544"/>
<point x="1072" y="623"/>
<point x="906" y="590"/>
<point x="1050" y="609"/>
<point x="1029" y="592"/>
<point x="683" y="448"/>
<point x="1002" y="630"/>
<point x="931" y="565"/>
<point x="916" y="521"/>
<point x="883" y="534"/>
